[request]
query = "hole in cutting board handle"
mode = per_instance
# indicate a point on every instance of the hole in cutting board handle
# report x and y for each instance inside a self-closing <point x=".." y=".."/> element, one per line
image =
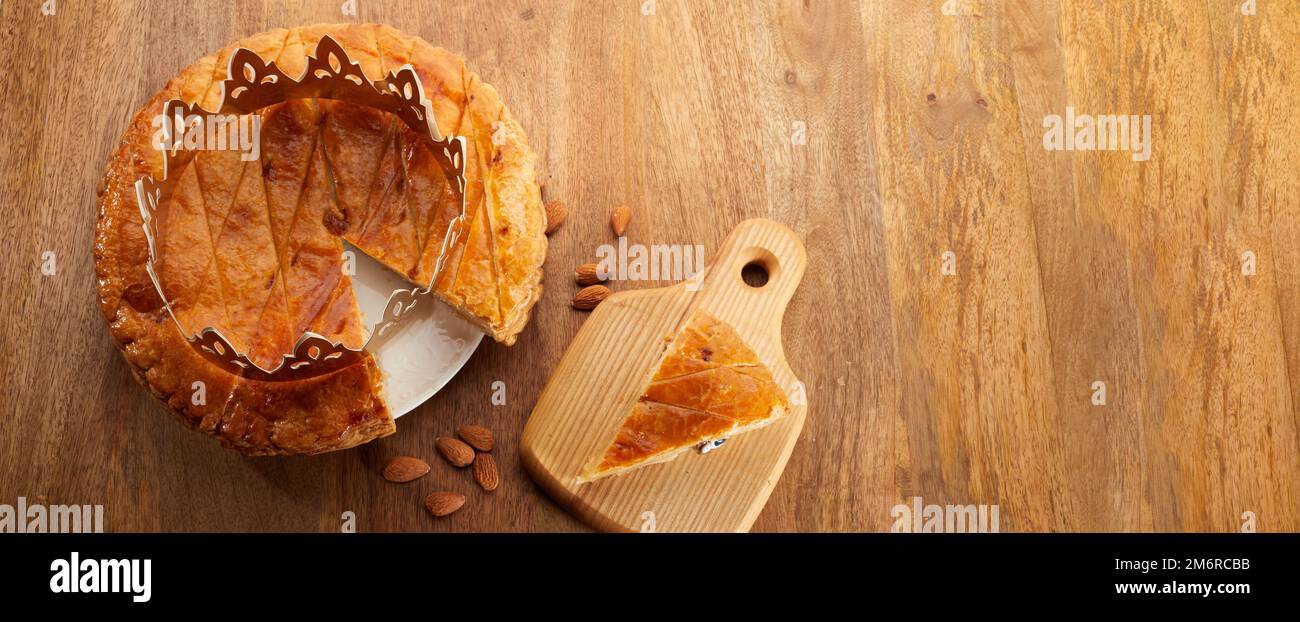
<point x="760" y="267"/>
<point x="754" y="274"/>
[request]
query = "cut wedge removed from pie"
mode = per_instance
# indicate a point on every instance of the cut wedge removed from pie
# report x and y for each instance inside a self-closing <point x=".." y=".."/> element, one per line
<point x="708" y="386"/>
<point x="256" y="248"/>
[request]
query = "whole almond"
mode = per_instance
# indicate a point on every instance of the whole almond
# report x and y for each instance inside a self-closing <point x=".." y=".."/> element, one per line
<point x="588" y="274"/>
<point x="485" y="472"/>
<point x="457" y="453"/>
<point x="588" y="297"/>
<point x="555" y="214"/>
<point x="404" y="469"/>
<point x="619" y="218"/>
<point x="476" y="436"/>
<point x="443" y="503"/>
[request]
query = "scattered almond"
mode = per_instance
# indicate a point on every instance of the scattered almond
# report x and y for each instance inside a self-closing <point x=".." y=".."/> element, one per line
<point x="485" y="472"/>
<point x="555" y="214"/>
<point x="619" y="218"/>
<point x="588" y="274"/>
<point x="457" y="453"/>
<point x="476" y="436"/>
<point x="404" y="469"/>
<point x="588" y="297"/>
<point x="443" y="503"/>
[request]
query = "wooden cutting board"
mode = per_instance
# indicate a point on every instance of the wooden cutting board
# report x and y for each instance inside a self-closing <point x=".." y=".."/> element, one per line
<point x="607" y="365"/>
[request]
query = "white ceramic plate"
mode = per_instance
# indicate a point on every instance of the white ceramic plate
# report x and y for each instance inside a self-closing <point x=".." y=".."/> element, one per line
<point x="431" y="344"/>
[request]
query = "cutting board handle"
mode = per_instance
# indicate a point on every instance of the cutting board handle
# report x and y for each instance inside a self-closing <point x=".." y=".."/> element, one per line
<point x="771" y="251"/>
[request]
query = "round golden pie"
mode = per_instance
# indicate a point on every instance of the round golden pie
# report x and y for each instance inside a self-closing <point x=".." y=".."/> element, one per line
<point x="255" y="246"/>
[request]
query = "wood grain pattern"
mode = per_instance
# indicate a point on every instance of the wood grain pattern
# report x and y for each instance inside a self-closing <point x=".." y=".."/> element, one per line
<point x="923" y="135"/>
<point x="605" y="370"/>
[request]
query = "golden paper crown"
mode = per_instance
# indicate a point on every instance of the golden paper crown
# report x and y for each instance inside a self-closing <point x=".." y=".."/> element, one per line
<point x="252" y="84"/>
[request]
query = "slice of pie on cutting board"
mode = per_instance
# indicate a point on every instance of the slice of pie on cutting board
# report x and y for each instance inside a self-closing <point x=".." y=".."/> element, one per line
<point x="709" y="385"/>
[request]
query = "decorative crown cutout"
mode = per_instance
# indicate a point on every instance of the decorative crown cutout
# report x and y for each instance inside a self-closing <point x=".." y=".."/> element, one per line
<point x="252" y="84"/>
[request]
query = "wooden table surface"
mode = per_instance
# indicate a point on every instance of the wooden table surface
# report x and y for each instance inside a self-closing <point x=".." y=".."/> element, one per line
<point x="923" y="135"/>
